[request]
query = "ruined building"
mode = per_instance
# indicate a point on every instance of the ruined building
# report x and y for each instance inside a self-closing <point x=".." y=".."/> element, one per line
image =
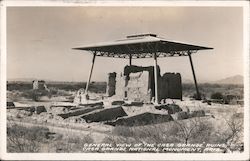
<point x="39" y="84"/>
<point x="137" y="84"/>
<point x="142" y="46"/>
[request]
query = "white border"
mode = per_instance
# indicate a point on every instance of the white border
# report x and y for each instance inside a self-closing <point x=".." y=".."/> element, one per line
<point x="3" y="81"/>
<point x="123" y="156"/>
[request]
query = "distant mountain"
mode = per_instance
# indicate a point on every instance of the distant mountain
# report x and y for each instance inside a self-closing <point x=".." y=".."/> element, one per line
<point x="21" y="79"/>
<point x="237" y="79"/>
<point x="25" y="80"/>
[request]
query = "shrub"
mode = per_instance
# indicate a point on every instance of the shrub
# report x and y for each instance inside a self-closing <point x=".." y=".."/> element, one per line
<point x="193" y="130"/>
<point x="216" y="95"/>
<point x="196" y="130"/>
<point x="123" y="131"/>
<point x="202" y="96"/>
<point x="149" y="134"/>
<point x="72" y="144"/>
<point x="24" y="139"/>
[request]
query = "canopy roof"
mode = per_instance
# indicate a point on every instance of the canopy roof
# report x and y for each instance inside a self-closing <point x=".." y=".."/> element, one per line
<point x="142" y="46"/>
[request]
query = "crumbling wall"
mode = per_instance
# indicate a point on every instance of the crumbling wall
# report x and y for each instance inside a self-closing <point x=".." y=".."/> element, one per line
<point x="138" y="87"/>
<point x="39" y="84"/>
<point x="111" y="83"/>
<point x="128" y="70"/>
<point x="120" y="88"/>
<point x="171" y="86"/>
<point x="138" y="84"/>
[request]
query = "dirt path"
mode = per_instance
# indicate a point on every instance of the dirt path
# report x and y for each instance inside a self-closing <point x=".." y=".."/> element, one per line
<point x="98" y="136"/>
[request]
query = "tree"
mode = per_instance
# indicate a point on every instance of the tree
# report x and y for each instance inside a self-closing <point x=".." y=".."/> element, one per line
<point x="194" y="130"/>
<point x="233" y="134"/>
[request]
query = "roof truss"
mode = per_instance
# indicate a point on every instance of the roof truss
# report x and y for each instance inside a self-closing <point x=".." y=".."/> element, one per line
<point x="144" y="46"/>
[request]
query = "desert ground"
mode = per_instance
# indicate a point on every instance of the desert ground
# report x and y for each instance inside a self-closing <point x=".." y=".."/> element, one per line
<point x="49" y="121"/>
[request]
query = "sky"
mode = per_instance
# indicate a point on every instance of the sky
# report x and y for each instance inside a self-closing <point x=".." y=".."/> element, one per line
<point x="40" y="40"/>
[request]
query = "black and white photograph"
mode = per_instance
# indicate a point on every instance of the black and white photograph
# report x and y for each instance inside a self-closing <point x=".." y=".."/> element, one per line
<point x="124" y="79"/>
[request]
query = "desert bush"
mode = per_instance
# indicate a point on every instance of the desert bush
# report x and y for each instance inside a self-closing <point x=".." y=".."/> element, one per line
<point x="231" y="99"/>
<point x="24" y="139"/>
<point x="53" y="91"/>
<point x="123" y="131"/>
<point x="202" y="96"/>
<point x="111" y="140"/>
<point x="231" y="134"/>
<point x="161" y="133"/>
<point x="97" y="87"/>
<point x="208" y="89"/>
<point x="216" y="95"/>
<point x="87" y="139"/>
<point x="149" y="134"/>
<point x="193" y="130"/>
<point x="72" y="144"/>
<point x="20" y="86"/>
<point x="234" y="131"/>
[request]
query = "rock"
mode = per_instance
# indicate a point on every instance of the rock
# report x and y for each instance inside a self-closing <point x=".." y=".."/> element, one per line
<point x="163" y="101"/>
<point x="58" y="110"/>
<point x="30" y="109"/>
<point x="169" y="101"/>
<point x="207" y="101"/>
<point x="104" y="114"/>
<point x="57" y="118"/>
<point x="186" y="109"/>
<point x="133" y="103"/>
<point x="23" y="113"/>
<point x="79" y="111"/>
<point x="117" y="102"/>
<point x="180" y="115"/>
<point x="75" y="120"/>
<point x="92" y="104"/>
<point x="35" y="109"/>
<point x="142" y="119"/>
<point x="10" y="105"/>
<point x="40" y="109"/>
<point x="198" y="113"/>
<point x="63" y="104"/>
<point x="21" y="105"/>
<point x="171" y="108"/>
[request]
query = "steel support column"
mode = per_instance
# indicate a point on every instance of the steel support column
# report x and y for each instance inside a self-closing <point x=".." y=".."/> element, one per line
<point x="156" y="79"/>
<point x="130" y="59"/>
<point x="198" y="97"/>
<point x="90" y="73"/>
